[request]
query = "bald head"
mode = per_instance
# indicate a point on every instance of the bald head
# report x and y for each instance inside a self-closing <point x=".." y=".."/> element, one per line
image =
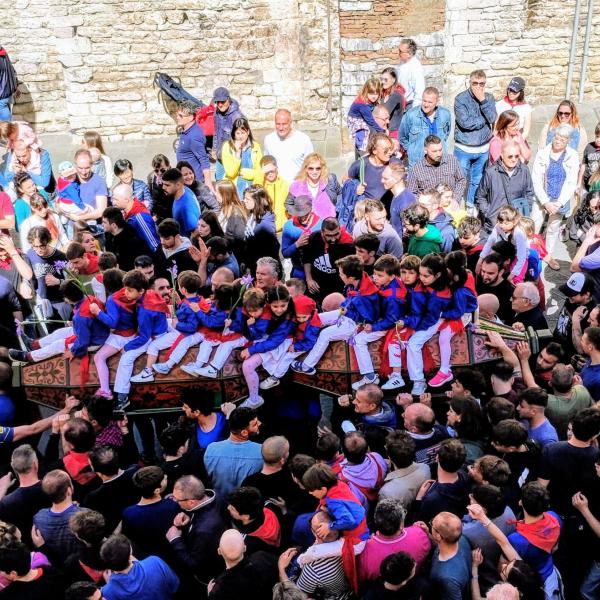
<point x="275" y="450"/>
<point x="332" y="302"/>
<point x="419" y="418"/>
<point x="323" y="517"/>
<point x="221" y="275"/>
<point x="122" y="196"/>
<point x="231" y="546"/>
<point x="447" y="526"/>
<point x="283" y="123"/>
<point x="488" y="306"/>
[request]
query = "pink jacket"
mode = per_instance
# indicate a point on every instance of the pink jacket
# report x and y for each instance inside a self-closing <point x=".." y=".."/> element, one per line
<point x="322" y="205"/>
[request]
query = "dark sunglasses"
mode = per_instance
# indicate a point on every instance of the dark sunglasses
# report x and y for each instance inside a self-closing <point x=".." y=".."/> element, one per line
<point x="564" y="114"/>
<point x="157" y="170"/>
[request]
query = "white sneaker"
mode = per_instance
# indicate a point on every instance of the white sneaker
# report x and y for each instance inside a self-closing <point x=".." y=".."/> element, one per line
<point x="191" y="369"/>
<point x="208" y="371"/>
<point x="249" y="403"/>
<point x="163" y="368"/>
<point x="268" y="383"/>
<point x="394" y="382"/>
<point x="419" y="387"/>
<point x="364" y="381"/>
<point x="144" y="376"/>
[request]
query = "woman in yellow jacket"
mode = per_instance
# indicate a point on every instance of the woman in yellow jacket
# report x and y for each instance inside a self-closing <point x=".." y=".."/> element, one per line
<point x="241" y="156"/>
<point x="276" y="187"/>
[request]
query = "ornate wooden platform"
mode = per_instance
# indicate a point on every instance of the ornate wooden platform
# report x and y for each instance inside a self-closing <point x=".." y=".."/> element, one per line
<point x="48" y="381"/>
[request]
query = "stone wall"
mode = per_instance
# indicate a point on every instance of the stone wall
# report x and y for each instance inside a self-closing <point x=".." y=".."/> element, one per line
<point x="529" y="38"/>
<point x="92" y="63"/>
<point x="371" y="31"/>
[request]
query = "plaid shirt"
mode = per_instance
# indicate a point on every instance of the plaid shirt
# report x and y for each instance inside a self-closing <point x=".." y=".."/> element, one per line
<point x="425" y="176"/>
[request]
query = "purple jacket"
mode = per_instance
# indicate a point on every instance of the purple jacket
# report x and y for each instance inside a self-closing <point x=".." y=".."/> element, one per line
<point x="224" y="125"/>
<point x="369" y="475"/>
<point x="322" y="205"/>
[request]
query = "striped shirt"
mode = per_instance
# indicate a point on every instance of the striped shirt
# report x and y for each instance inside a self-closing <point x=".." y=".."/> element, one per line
<point x="425" y="176"/>
<point x="324" y="578"/>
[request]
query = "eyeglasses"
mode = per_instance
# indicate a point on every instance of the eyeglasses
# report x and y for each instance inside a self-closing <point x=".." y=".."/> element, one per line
<point x="562" y="113"/>
<point x="313" y="168"/>
<point x="478" y="83"/>
<point x="512" y="156"/>
<point x="157" y="170"/>
<point x="39" y="246"/>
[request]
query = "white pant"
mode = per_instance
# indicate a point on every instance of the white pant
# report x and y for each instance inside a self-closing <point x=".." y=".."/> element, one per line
<point x="125" y="368"/>
<point x="361" y="349"/>
<point x="53" y="344"/>
<point x="183" y="346"/>
<point x="204" y="351"/>
<point x="538" y="214"/>
<point x="224" y="352"/>
<point x="284" y="364"/>
<point x="414" y="352"/>
<point x="164" y="341"/>
<point x="118" y="341"/>
<point x="340" y="328"/>
<point x="395" y="355"/>
<point x="445" y="342"/>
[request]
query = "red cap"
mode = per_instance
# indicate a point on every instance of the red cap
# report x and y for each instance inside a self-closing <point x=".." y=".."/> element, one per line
<point x="304" y="305"/>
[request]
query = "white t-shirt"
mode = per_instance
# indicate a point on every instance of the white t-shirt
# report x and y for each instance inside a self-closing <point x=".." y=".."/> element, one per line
<point x="289" y="153"/>
<point x="412" y="78"/>
<point x="523" y="110"/>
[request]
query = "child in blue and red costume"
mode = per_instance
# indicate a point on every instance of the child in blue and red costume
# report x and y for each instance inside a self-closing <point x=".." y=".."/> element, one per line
<point x="347" y="514"/>
<point x="392" y="297"/>
<point x="360" y="114"/>
<point x="151" y="314"/>
<point x="189" y="284"/>
<point x="72" y="342"/>
<point x="463" y="304"/>
<point x="119" y="316"/>
<point x="429" y="300"/>
<point x="68" y="193"/>
<point x="360" y="306"/>
<point x="306" y="334"/>
<point x="269" y="351"/>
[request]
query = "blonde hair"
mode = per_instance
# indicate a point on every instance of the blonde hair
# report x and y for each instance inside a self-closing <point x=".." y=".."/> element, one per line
<point x="312" y="157"/>
<point x="528" y="226"/>
<point x="371" y="86"/>
<point x="509" y="214"/>
<point x="360" y="210"/>
<point x="595" y="176"/>
<point x="8" y="128"/>
<point x="93" y="140"/>
<point x="230" y="201"/>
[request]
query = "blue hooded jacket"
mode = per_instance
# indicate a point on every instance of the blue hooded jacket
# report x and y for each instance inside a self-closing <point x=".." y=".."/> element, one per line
<point x="89" y="331"/>
<point x="151" y="318"/>
<point x="362" y="304"/>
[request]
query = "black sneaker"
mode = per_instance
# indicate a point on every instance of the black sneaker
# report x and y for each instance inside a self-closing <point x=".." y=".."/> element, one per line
<point x="18" y="356"/>
<point x="27" y="341"/>
<point x="122" y="402"/>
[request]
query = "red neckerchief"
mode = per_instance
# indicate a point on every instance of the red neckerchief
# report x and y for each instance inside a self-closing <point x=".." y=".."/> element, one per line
<point x="470" y="283"/>
<point x="514" y="102"/>
<point x="6" y="263"/>
<point x="78" y="466"/>
<point x="345" y="238"/>
<point x="270" y="531"/>
<point x="84" y="308"/>
<point x="314" y="219"/>
<point x="152" y="301"/>
<point x="542" y="534"/>
<point x="92" y="267"/>
<point x="2" y="51"/>
<point x="366" y="287"/>
<point x="136" y="209"/>
<point x="120" y="299"/>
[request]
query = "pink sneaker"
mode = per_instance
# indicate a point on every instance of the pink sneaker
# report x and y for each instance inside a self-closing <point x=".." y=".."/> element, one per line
<point x="440" y="379"/>
<point x="104" y="394"/>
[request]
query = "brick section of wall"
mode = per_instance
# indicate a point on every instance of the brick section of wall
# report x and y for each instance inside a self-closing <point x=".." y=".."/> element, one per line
<point x="90" y="65"/>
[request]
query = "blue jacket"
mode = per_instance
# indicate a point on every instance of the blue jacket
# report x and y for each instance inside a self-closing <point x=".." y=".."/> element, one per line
<point x="192" y="148"/>
<point x="215" y="318"/>
<point x="474" y="119"/>
<point x="307" y="333"/>
<point x="224" y="125"/>
<point x="362" y="304"/>
<point x="187" y="319"/>
<point x="444" y="224"/>
<point x="151" y="318"/>
<point x="360" y="110"/>
<point x="437" y="301"/>
<point x="346" y="202"/>
<point x="42" y="180"/>
<point x="118" y="314"/>
<point x="392" y="303"/>
<point x="141" y="220"/>
<point x="88" y="330"/>
<point x="463" y="301"/>
<point x="275" y="338"/>
<point x="256" y="331"/>
<point x="290" y="234"/>
<point x="186" y="211"/>
<point x="141" y="191"/>
<point x="415" y="127"/>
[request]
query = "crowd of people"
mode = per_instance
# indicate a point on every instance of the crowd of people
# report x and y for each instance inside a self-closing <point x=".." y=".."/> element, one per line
<point x="457" y="483"/>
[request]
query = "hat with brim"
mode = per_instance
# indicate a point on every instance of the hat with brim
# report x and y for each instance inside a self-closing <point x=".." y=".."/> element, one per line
<point x="516" y="84"/>
<point x="221" y="94"/>
<point x="578" y="283"/>
<point x="300" y="206"/>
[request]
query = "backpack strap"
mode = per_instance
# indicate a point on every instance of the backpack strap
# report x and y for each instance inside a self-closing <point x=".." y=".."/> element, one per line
<point x="361" y="171"/>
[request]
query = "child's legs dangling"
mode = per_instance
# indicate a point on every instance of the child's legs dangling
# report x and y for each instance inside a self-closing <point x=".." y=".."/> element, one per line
<point x="204" y="351"/>
<point x="342" y="331"/>
<point x="224" y="351"/>
<point x="100" y="360"/>
<point x="445" y="339"/>
<point x="249" y="367"/>
<point x="414" y="352"/>
<point x="182" y="347"/>
<point x="395" y="357"/>
<point x="361" y="350"/>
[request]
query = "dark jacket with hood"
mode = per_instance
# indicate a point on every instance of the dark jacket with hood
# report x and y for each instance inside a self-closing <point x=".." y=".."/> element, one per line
<point x="8" y="76"/>
<point x="451" y="497"/>
<point x="224" y="124"/>
<point x="491" y="195"/>
<point x="443" y="223"/>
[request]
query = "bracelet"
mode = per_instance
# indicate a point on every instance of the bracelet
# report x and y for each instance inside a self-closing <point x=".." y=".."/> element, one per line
<point x="487" y="524"/>
<point x="474" y="576"/>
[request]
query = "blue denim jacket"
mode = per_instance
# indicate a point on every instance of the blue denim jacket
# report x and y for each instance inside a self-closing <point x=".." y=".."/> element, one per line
<point x="414" y="128"/>
<point x="474" y="120"/>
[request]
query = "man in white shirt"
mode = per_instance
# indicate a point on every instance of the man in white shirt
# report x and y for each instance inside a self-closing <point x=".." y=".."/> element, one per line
<point x="289" y="146"/>
<point x="410" y="73"/>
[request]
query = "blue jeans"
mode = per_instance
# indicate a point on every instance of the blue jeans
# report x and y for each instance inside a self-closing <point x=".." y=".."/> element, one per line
<point x="472" y="166"/>
<point x="591" y="583"/>
<point x="5" y="112"/>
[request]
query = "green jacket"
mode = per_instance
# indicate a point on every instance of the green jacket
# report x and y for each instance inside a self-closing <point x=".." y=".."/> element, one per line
<point x="430" y="241"/>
